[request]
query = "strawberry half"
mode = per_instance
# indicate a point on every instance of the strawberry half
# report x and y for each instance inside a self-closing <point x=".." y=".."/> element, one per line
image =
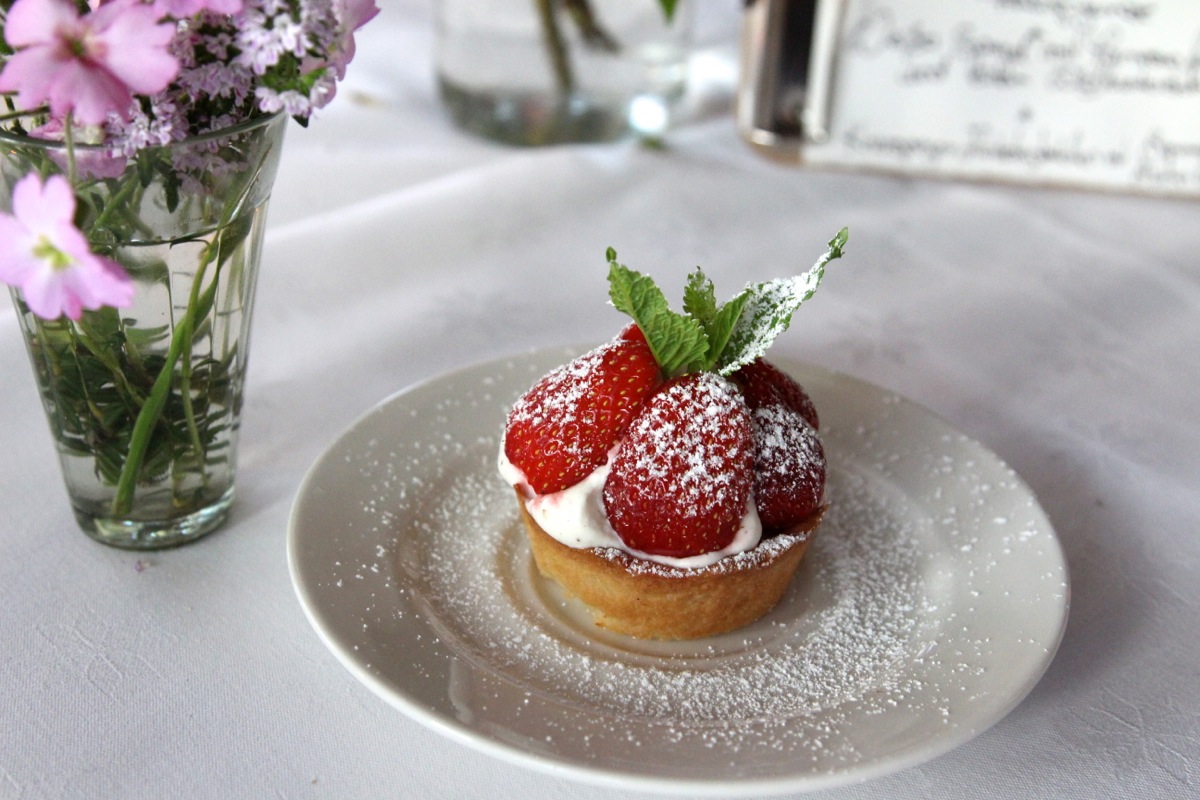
<point x="763" y="384"/>
<point x="789" y="467"/>
<point x="564" y="426"/>
<point x="681" y="479"/>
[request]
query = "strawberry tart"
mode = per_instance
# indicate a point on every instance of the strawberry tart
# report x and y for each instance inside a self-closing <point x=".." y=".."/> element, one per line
<point x="672" y="478"/>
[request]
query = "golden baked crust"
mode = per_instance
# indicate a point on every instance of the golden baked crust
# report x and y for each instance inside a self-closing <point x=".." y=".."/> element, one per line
<point x="651" y="601"/>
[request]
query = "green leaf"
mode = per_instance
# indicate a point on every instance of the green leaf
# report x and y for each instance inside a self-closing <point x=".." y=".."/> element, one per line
<point x="699" y="298"/>
<point x="769" y="308"/>
<point x="170" y="181"/>
<point x="723" y="325"/>
<point x="711" y="336"/>
<point x="677" y="341"/>
<point x="145" y="169"/>
<point x="836" y="245"/>
<point x="668" y="7"/>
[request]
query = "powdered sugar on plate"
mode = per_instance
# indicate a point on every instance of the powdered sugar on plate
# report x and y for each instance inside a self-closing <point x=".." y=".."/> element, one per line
<point x="930" y="601"/>
<point x="838" y="635"/>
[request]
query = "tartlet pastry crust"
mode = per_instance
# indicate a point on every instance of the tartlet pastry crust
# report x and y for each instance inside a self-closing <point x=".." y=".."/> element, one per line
<point x="648" y="600"/>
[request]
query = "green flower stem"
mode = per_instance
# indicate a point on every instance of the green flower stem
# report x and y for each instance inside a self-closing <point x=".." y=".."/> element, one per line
<point x="181" y="343"/>
<point x="152" y="410"/>
<point x="185" y="369"/>
<point x="19" y="113"/>
<point x="69" y="140"/>
<point x="556" y="47"/>
<point x="179" y="349"/>
<point x="590" y="29"/>
<point x="116" y="202"/>
<point x="211" y="252"/>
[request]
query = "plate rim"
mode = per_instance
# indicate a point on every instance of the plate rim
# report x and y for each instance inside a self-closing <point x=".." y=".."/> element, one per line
<point x="602" y="776"/>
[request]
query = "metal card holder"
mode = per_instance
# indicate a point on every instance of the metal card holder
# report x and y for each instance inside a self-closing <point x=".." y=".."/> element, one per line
<point x="1074" y="95"/>
<point x="788" y="56"/>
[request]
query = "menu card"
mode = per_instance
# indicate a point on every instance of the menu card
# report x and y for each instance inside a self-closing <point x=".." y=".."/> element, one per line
<point x="1095" y="93"/>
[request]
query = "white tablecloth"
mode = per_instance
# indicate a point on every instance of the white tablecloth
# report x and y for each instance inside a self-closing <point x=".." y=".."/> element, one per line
<point x="1062" y="329"/>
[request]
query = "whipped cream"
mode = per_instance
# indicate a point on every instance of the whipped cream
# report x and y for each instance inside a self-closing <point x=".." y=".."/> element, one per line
<point x="575" y="517"/>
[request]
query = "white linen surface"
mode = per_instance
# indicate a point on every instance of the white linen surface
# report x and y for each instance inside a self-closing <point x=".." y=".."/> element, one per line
<point x="1060" y="328"/>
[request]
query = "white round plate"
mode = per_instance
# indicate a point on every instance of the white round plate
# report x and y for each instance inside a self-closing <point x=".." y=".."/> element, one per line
<point x="931" y="602"/>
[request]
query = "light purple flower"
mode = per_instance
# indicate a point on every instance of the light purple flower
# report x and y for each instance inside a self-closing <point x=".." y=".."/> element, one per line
<point x="335" y="33"/>
<point x="182" y="9"/>
<point x="352" y="15"/>
<point x="293" y="103"/>
<point x="156" y="124"/>
<point x="48" y="258"/>
<point x="91" y="64"/>
<point x="263" y="38"/>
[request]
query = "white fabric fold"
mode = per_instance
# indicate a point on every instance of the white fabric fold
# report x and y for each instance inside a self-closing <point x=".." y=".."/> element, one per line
<point x="1059" y="328"/>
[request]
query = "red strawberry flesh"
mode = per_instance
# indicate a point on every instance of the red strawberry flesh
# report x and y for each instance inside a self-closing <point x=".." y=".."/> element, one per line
<point x="565" y="425"/>
<point x="763" y="384"/>
<point x="681" y="479"/>
<point x="789" y="467"/>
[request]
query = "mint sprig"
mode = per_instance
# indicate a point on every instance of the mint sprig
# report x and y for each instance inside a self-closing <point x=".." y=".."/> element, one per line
<point x="769" y="308"/>
<point x="718" y="322"/>
<point x="677" y="341"/>
<point x="711" y="336"/>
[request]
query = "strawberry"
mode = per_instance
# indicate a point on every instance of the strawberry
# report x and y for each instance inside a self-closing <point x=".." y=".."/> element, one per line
<point x="789" y="467"/>
<point x="564" y="426"/>
<point x="681" y="479"/>
<point x="763" y="384"/>
<point x="682" y="455"/>
<point x="789" y="461"/>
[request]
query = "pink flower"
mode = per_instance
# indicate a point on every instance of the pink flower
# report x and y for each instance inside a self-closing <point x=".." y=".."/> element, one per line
<point x="91" y="65"/>
<point x="352" y="15"/>
<point x="48" y="258"/>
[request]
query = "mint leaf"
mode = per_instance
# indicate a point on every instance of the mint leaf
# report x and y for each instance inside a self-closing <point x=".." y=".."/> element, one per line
<point x="720" y="331"/>
<point x="768" y="310"/>
<point x="677" y="341"/>
<point x="711" y="336"/>
<point x="699" y="298"/>
<point x="836" y="245"/>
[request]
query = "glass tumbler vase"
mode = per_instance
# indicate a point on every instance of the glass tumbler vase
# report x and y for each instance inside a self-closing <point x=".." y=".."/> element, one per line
<point x="539" y="72"/>
<point x="144" y="402"/>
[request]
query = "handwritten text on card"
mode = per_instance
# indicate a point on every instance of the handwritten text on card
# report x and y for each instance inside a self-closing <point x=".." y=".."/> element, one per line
<point x="1102" y="93"/>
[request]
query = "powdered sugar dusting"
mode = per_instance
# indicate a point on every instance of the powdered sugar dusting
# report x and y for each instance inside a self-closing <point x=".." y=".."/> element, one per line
<point x="931" y="597"/>
<point x="837" y="637"/>
<point x="789" y="465"/>
<point x="565" y="385"/>
<point x="681" y="479"/>
<point x="781" y="445"/>
<point x="764" y="552"/>
<point x="678" y="428"/>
